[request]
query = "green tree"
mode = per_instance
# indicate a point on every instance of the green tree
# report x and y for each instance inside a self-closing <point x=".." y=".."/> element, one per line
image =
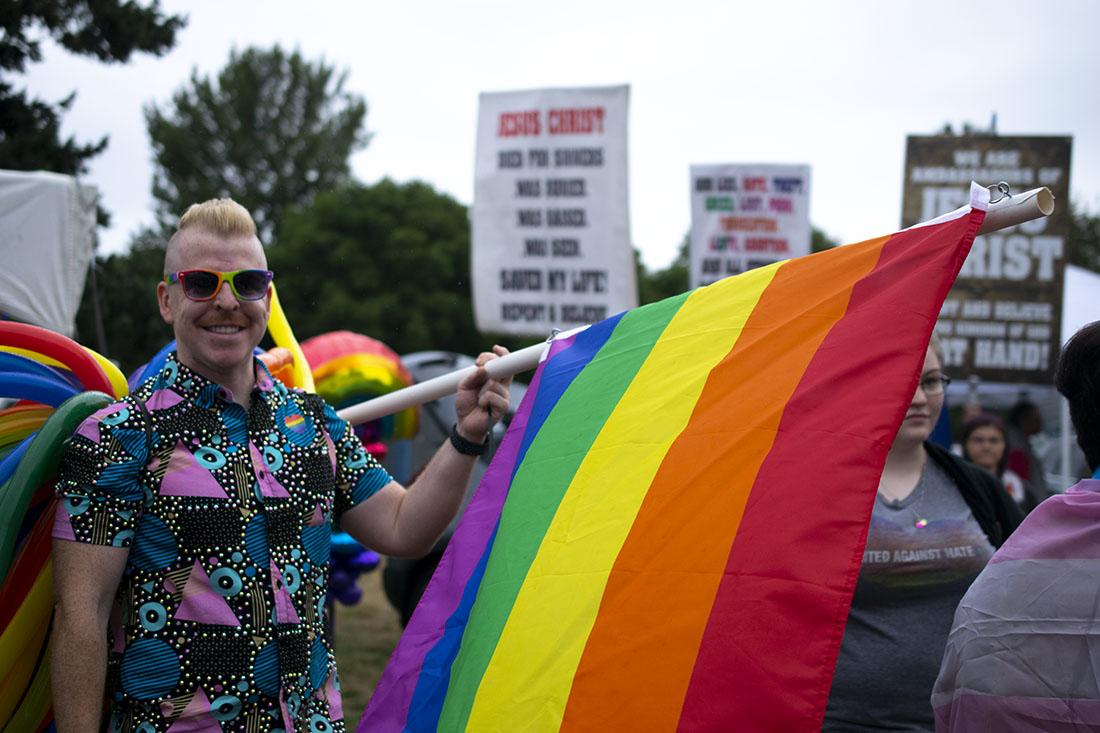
<point x="666" y="282"/>
<point x="389" y="260"/>
<point x="127" y="298"/>
<point x="107" y="30"/>
<point x="820" y="241"/>
<point x="1083" y="243"/>
<point x="272" y="130"/>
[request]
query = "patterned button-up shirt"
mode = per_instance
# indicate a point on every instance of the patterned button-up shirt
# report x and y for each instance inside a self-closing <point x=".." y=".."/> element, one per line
<point x="227" y="513"/>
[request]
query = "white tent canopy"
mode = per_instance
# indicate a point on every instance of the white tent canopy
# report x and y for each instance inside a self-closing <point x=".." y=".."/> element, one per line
<point x="1080" y="300"/>
<point x="1080" y="307"/>
<point x="47" y="233"/>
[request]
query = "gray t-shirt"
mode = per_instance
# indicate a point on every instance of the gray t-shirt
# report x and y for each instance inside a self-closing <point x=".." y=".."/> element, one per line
<point x="911" y="580"/>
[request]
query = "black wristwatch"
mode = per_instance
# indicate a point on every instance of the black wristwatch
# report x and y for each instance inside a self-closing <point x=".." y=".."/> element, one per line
<point x="464" y="446"/>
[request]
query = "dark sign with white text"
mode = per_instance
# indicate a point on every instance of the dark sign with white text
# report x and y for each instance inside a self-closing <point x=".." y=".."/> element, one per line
<point x="1002" y="319"/>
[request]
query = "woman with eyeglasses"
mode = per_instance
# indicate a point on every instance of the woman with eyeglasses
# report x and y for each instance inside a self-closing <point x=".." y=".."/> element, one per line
<point x="984" y="444"/>
<point x="936" y="521"/>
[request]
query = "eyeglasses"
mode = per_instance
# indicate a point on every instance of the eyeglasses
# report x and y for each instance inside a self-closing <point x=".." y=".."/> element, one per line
<point x="201" y="285"/>
<point x="934" y="385"/>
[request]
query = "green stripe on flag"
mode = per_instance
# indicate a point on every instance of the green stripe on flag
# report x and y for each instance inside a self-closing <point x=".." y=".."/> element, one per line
<point x="556" y="451"/>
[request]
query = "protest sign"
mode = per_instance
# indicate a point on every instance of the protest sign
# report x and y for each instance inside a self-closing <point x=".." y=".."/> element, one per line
<point x="550" y="226"/>
<point x="1002" y="319"/>
<point x="745" y="216"/>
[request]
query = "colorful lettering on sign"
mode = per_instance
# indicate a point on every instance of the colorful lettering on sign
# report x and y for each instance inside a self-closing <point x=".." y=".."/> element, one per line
<point x="787" y="184"/>
<point x="575" y="120"/>
<point x="755" y="183"/>
<point x="515" y="124"/>
<point x="781" y="205"/>
<point x="749" y="224"/>
<point x="767" y="244"/>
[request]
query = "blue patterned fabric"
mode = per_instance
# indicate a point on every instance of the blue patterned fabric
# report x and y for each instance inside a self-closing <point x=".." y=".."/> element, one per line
<point x="228" y="519"/>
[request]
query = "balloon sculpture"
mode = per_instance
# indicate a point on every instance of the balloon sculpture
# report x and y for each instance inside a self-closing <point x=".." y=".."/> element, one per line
<point x="57" y="383"/>
<point x="349" y="368"/>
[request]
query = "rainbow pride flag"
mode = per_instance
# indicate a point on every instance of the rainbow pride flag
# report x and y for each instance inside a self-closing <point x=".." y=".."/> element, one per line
<point x="669" y="535"/>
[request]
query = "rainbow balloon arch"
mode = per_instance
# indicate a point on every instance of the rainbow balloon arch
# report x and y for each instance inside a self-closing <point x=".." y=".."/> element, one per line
<point x="57" y="384"/>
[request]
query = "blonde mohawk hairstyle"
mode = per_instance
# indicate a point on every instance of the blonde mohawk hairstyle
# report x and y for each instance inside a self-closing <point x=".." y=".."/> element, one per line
<point x="224" y="217"/>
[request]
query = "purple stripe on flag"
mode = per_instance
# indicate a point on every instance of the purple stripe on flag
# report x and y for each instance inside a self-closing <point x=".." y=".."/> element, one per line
<point x="1064" y="527"/>
<point x="1017" y="714"/>
<point x="389" y="705"/>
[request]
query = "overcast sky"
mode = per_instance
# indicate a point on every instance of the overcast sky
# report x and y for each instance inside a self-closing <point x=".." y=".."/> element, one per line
<point x="835" y="85"/>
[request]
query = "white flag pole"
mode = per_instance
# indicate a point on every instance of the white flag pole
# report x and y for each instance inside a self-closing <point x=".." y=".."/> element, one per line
<point x="1018" y="208"/>
<point x="1006" y="212"/>
<point x="441" y="386"/>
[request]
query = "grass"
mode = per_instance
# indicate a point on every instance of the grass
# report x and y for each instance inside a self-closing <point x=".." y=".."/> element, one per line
<point x="366" y="634"/>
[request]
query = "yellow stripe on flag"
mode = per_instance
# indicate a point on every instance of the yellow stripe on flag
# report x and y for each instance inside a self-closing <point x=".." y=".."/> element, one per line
<point x="544" y="636"/>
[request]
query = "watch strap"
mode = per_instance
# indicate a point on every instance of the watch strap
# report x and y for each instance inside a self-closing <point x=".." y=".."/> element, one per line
<point x="465" y="447"/>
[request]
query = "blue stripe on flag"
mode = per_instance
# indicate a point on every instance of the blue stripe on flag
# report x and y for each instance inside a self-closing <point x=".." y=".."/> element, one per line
<point x="557" y="374"/>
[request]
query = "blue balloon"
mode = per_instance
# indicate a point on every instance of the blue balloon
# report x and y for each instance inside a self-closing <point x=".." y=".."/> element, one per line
<point x="16" y="363"/>
<point x="11" y="461"/>
<point x="344" y="544"/>
<point x="155" y="365"/>
<point x="350" y="596"/>
<point x="365" y="561"/>
<point x="50" y="392"/>
<point x="340" y="579"/>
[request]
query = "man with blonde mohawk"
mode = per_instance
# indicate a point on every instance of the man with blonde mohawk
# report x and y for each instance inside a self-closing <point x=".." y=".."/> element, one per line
<point x="191" y="542"/>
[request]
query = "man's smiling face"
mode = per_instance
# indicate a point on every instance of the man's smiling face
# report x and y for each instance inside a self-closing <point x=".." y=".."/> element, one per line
<point x="214" y="337"/>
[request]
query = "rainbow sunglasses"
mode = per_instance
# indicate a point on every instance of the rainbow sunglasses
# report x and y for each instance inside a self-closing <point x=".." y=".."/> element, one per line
<point x="202" y="285"/>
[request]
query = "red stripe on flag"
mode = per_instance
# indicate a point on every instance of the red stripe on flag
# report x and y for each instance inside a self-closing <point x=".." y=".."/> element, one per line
<point x="640" y="654"/>
<point x="769" y="650"/>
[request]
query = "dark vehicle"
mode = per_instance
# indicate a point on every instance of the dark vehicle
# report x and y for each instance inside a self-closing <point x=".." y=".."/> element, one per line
<point x="404" y="579"/>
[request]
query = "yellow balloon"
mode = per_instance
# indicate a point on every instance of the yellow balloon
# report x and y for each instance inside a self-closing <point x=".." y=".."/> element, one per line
<point x="114" y="374"/>
<point x="21" y="640"/>
<point x="34" y="608"/>
<point x="280" y="331"/>
<point x="34" y="355"/>
<point x="36" y="702"/>
<point x="21" y="670"/>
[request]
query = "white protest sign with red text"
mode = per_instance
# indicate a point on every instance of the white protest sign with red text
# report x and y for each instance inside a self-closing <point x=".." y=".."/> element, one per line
<point x="550" y="245"/>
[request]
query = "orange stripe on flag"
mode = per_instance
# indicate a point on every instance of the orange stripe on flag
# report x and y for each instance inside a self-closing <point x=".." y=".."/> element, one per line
<point x="654" y="610"/>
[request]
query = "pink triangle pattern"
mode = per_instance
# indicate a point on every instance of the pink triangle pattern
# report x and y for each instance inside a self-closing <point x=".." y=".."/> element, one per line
<point x="288" y="722"/>
<point x="162" y="399"/>
<point x="318" y="517"/>
<point x="62" y="524"/>
<point x="335" y="703"/>
<point x="200" y="603"/>
<point x="90" y="427"/>
<point x="331" y="451"/>
<point x="284" y="605"/>
<point x="185" y="477"/>
<point x="196" y="717"/>
<point x="269" y="486"/>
